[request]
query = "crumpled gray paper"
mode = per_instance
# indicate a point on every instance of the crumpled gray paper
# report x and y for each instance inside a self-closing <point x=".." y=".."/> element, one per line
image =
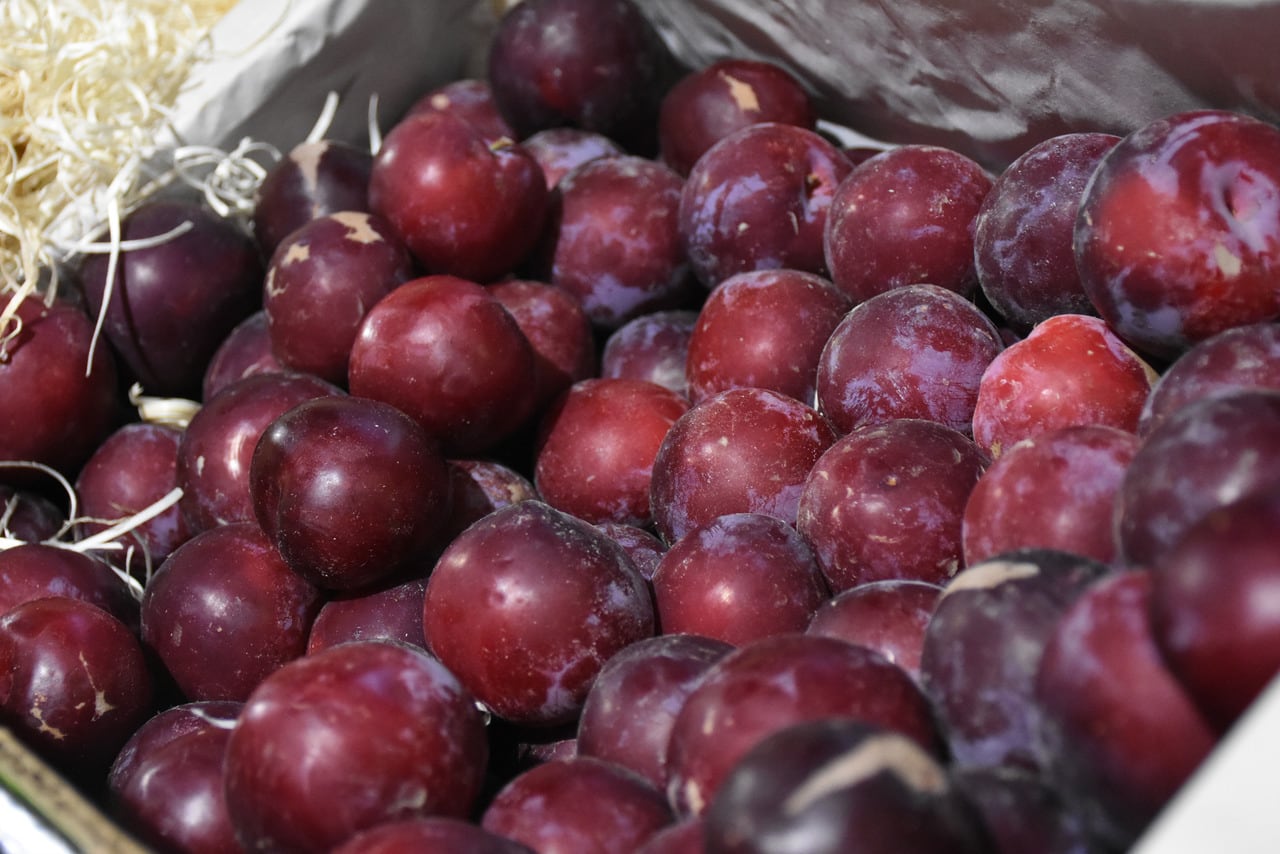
<point x="992" y="77"/>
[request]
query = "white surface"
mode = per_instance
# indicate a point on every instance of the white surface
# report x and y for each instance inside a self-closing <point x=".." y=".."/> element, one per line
<point x="1230" y="804"/>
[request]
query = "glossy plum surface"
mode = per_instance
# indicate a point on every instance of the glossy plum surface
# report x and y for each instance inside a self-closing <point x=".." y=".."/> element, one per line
<point x="887" y="501"/>
<point x="745" y="450"/>
<point x="1209" y="605"/>
<point x="1205" y="455"/>
<point x="632" y="705"/>
<point x="321" y="281"/>
<point x="390" y="611"/>
<point x="558" y="329"/>
<point x="445" y="351"/>
<point x="764" y="329"/>
<point x="758" y="200"/>
<point x="737" y="578"/>
<point x="597" y="445"/>
<point x="1123" y="734"/>
<point x="470" y="99"/>
<point x="463" y="205"/>
<point x="560" y="150"/>
<point x="838" y="785"/>
<point x="165" y="784"/>
<point x="578" y="806"/>
<point x="245" y="351"/>
<point x="36" y="570"/>
<point x="982" y="650"/>
<point x="775" y="682"/>
<point x="76" y="683"/>
<point x="915" y="351"/>
<point x="225" y="610"/>
<point x="1177" y="236"/>
<point x="527" y="605"/>
<point x="51" y="410"/>
<point x="888" y="616"/>
<point x="388" y="734"/>
<point x="598" y="66"/>
<point x="1071" y="370"/>
<point x="1024" y="232"/>
<point x="652" y="347"/>
<point x="170" y="305"/>
<point x="905" y="217"/>
<point x="1056" y="490"/>
<point x="133" y="468"/>
<point x="615" y="239"/>
<point x="349" y="490"/>
<point x="1238" y="358"/>
<point x="216" y="449"/>
<point x="708" y="104"/>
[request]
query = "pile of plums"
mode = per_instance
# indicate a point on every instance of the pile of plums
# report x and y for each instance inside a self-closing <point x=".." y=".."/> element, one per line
<point x="614" y="461"/>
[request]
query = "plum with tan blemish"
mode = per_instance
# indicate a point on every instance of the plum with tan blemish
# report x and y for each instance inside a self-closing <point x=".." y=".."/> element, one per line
<point x="1178" y="235"/>
<point x="709" y="104"/>
<point x="321" y="282"/>
<point x="314" y="179"/>
<point x="839" y="785"/>
<point x="470" y="99"/>
<point x="773" y="683"/>
<point x="982" y="650"/>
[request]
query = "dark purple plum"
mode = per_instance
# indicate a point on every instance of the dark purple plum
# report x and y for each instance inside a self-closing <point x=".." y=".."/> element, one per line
<point x="838" y="785"/>
<point x="37" y="570"/>
<point x="982" y="649"/>
<point x="349" y="490"/>
<point x="470" y="99"/>
<point x="165" y="785"/>
<point x="170" y="305"/>
<point x="560" y="150"/>
<point x="245" y="351"/>
<point x="888" y="616"/>
<point x="597" y="65"/>
<point x="653" y="347"/>
<point x="1023" y="235"/>
<point x="314" y="179"/>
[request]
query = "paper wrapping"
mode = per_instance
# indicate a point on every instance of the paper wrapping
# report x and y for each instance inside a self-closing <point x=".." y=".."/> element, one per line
<point x="991" y="78"/>
<point x="274" y="63"/>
